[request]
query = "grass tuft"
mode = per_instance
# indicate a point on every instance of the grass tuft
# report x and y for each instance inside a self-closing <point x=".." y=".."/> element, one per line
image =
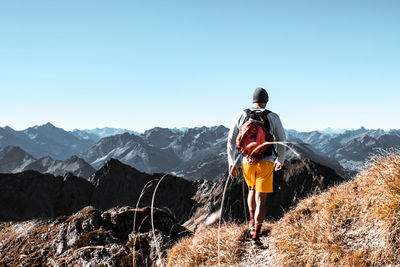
<point x="353" y="224"/>
<point x="201" y="248"/>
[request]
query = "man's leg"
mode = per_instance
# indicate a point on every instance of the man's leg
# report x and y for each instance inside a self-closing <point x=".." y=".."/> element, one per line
<point x="249" y="176"/>
<point x="261" y="200"/>
<point x="251" y="202"/>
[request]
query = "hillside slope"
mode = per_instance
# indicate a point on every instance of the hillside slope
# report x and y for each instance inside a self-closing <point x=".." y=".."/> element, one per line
<point x="353" y="224"/>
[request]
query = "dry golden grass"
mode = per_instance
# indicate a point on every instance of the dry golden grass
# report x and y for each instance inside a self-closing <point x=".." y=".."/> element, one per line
<point x="201" y="249"/>
<point x="353" y="224"/>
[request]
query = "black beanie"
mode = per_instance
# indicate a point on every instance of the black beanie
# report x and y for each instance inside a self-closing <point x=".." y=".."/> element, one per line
<point x="260" y="95"/>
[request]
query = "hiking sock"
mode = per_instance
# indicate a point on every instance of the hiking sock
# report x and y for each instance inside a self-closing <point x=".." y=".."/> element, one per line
<point x="252" y="216"/>
<point x="257" y="230"/>
<point x="252" y="229"/>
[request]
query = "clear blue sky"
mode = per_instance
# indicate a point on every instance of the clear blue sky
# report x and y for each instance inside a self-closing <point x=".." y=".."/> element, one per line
<point x="140" y="64"/>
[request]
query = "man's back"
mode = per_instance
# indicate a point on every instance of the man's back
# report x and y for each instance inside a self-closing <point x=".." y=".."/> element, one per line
<point x="276" y="129"/>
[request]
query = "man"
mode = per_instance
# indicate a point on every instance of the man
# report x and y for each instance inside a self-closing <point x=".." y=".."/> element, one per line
<point x="259" y="176"/>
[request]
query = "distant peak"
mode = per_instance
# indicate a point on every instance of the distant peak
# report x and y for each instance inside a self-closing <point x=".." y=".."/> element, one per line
<point x="49" y="125"/>
<point x="115" y="165"/>
<point x="13" y="148"/>
<point x="113" y="162"/>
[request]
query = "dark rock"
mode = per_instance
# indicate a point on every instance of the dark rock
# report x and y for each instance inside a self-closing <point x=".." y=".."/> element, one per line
<point x="118" y="184"/>
<point x="30" y="194"/>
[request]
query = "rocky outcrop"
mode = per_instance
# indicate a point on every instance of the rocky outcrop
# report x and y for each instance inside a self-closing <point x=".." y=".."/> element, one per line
<point x="90" y="238"/>
<point x="119" y="184"/>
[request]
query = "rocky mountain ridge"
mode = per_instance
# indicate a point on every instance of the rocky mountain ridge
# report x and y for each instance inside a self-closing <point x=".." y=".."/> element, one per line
<point x="165" y="150"/>
<point x="13" y="160"/>
<point x="352" y="148"/>
<point x="30" y="194"/>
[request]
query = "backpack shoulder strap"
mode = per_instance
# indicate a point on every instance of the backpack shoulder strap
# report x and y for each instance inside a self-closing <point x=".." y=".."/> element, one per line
<point x="264" y="115"/>
<point x="265" y="112"/>
<point x="268" y="127"/>
<point x="248" y="115"/>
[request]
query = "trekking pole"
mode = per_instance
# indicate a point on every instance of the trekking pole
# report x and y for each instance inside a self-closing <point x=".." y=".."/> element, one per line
<point x="145" y="187"/>
<point x="152" y="220"/>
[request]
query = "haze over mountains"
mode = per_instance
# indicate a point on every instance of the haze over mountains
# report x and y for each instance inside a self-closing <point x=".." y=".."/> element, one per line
<point x="45" y="140"/>
<point x="194" y="153"/>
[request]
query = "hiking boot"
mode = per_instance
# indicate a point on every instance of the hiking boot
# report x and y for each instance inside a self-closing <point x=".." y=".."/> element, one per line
<point x="252" y="229"/>
<point x="255" y="241"/>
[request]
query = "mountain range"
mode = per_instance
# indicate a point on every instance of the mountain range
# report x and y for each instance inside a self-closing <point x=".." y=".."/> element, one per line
<point x="44" y="140"/>
<point x="13" y="160"/>
<point x="351" y="148"/>
<point x="193" y="153"/>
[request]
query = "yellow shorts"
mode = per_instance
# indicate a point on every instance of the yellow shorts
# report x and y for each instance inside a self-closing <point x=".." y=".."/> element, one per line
<point x="259" y="176"/>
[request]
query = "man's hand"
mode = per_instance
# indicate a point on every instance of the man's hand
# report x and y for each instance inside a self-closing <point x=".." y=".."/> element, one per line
<point x="277" y="166"/>
<point x="233" y="170"/>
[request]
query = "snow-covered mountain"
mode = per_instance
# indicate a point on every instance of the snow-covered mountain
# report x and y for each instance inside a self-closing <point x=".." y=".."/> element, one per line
<point x="85" y="135"/>
<point x="102" y="132"/>
<point x="165" y="150"/>
<point x="132" y="150"/>
<point x="13" y="160"/>
<point x="44" y="140"/>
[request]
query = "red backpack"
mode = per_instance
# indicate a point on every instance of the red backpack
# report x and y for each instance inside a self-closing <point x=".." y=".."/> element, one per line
<point x="253" y="133"/>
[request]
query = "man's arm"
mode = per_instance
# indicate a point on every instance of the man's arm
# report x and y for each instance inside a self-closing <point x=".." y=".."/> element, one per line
<point x="231" y="145"/>
<point x="280" y="136"/>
